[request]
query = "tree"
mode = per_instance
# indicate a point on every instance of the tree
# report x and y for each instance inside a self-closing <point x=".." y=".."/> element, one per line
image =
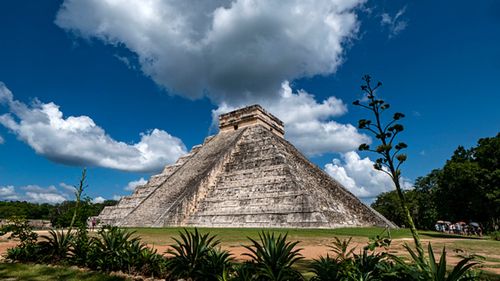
<point x="388" y="205"/>
<point x="420" y="201"/>
<point x="390" y="156"/>
<point x="469" y="185"/>
<point x="426" y="214"/>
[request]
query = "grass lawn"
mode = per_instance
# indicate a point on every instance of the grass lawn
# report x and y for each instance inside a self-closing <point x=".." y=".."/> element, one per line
<point x="230" y="235"/>
<point x="36" y="272"/>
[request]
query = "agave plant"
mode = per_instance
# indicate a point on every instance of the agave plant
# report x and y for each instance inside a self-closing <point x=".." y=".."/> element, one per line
<point x="110" y="250"/>
<point x="345" y="265"/>
<point x="436" y="271"/>
<point x="341" y="249"/>
<point x="56" y="247"/>
<point x="81" y="250"/>
<point x="150" y="263"/>
<point x="273" y="257"/>
<point x="239" y="272"/>
<point x="194" y="256"/>
<point x="327" y="269"/>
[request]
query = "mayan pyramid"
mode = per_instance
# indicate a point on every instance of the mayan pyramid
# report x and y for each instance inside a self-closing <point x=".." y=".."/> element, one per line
<point x="247" y="175"/>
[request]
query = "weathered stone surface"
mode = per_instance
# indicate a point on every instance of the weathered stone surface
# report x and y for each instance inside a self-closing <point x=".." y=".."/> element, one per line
<point x="246" y="176"/>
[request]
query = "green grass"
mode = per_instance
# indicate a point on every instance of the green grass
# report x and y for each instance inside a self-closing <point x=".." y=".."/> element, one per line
<point x="36" y="272"/>
<point x="231" y="235"/>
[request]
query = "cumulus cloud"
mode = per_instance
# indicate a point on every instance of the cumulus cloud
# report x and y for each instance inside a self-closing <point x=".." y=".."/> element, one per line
<point x="359" y="177"/>
<point x="77" y="140"/>
<point x="67" y="187"/>
<point x="33" y="193"/>
<point x="133" y="184"/>
<point x="395" y="24"/>
<point x="8" y="193"/>
<point x="309" y="124"/>
<point x="99" y="199"/>
<point x="230" y="50"/>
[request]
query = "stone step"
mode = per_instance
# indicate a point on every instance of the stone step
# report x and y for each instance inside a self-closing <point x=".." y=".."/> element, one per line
<point x="240" y="180"/>
<point x="280" y="168"/>
<point x="253" y="198"/>
<point x="254" y="163"/>
<point x="241" y="193"/>
<point x="300" y="218"/>
<point x="258" y="177"/>
<point x="221" y="209"/>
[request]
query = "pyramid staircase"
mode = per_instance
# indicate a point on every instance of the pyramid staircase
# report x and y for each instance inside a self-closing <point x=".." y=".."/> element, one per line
<point x="248" y="175"/>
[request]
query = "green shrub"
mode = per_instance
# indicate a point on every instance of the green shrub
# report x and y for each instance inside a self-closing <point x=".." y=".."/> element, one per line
<point x="327" y="269"/>
<point x="81" y="251"/>
<point x="430" y="270"/>
<point x="195" y="256"/>
<point x="27" y="250"/>
<point x="110" y="249"/>
<point x="495" y="235"/>
<point x="56" y="246"/>
<point x="273" y="257"/>
<point x="150" y="263"/>
<point x="345" y="265"/>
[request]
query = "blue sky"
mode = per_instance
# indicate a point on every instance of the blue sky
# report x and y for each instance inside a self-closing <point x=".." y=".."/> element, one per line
<point x="142" y="82"/>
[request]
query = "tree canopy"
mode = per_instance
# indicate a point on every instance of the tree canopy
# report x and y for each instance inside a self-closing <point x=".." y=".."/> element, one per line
<point x="466" y="188"/>
<point x="59" y="214"/>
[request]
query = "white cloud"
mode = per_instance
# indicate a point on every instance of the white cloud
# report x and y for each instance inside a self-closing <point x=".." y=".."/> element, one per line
<point x="230" y="50"/>
<point x="77" y="140"/>
<point x="308" y="123"/>
<point x="133" y="184"/>
<point x="117" y="197"/>
<point x="33" y="193"/>
<point x="69" y="188"/>
<point x="98" y="199"/>
<point x="359" y="177"/>
<point x="51" y="198"/>
<point x="394" y="24"/>
<point x="1" y="140"/>
<point x="8" y="193"/>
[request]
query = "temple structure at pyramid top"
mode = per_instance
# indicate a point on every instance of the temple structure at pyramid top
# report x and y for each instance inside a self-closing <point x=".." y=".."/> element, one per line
<point x="251" y="116"/>
<point x="247" y="175"/>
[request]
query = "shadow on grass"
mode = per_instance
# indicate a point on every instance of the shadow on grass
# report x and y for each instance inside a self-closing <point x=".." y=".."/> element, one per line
<point x="37" y="272"/>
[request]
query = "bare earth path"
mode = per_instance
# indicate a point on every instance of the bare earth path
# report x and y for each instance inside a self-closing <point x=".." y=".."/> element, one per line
<point x="314" y="247"/>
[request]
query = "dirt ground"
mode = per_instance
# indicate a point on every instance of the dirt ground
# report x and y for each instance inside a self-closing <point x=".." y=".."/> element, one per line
<point x="314" y="248"/>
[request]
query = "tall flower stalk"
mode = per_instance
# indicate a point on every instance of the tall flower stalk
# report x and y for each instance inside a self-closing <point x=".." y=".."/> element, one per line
<point x="78" y="196"/>
<point x="389" y="150"/>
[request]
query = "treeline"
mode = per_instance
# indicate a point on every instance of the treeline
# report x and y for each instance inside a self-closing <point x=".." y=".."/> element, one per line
<point x="59" y="214"/>
<point x="466" y="189"/>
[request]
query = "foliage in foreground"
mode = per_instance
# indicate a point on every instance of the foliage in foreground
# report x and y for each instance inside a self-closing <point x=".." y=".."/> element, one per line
<point x="36" y="272"/>
<point x="273" y="257"/>
<point x="197" y="256"/>
<point x="432" y="270"/>
<point x="27" y="250"/>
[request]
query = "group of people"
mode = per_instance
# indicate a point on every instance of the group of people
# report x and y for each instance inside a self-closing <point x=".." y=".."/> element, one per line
<point x="460" y="228"/>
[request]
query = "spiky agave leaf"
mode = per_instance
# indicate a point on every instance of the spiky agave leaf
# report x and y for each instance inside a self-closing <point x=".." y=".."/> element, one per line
<point x="273" y="257"/>
<point x="56" y="246"/>
<point x="190" y="255"/>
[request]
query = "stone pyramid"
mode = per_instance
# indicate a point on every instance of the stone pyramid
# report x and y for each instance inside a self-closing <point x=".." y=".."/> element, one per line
<point x="247" y="175"/>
